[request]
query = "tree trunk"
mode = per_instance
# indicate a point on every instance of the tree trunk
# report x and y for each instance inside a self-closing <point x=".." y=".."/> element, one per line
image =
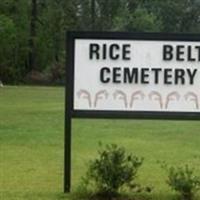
<point x="32" y="39"/>
<point x="93" y="14"/>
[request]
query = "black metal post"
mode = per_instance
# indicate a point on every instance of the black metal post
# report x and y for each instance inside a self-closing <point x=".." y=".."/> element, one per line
<point x="67" y="156"/>
<point x="68" y="115"/>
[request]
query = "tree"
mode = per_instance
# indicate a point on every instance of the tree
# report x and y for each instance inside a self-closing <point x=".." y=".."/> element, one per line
<point x="179" y="16"/>
<point x="7" y="41"/>
<point x="35" y="29"/>
<point x="33" y="35"/>
<point x="137" y="16"/>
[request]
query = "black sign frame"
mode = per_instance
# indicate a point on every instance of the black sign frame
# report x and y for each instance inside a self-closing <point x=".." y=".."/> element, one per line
<point x="70" y="112"/>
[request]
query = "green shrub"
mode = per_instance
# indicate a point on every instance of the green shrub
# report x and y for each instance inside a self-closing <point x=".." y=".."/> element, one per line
<point x="112" y="170"/>
<point x="183" y="180"/>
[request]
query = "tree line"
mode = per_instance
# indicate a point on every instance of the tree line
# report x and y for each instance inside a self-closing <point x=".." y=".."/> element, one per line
<point x="32" y="32"/>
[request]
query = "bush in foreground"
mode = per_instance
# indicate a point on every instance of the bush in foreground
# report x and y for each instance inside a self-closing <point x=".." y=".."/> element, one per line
<point x="113" y="170"/>
<point x="183" y="180"/>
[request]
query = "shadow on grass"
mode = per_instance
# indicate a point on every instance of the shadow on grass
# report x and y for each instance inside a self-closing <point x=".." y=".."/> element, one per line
<point x="86" y="196"/>
<point x="33" y="196"/>
<point x="133" y="196"/>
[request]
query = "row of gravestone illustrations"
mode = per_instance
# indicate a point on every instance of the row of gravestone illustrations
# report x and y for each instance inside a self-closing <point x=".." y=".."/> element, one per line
<point x="137" y="96"/>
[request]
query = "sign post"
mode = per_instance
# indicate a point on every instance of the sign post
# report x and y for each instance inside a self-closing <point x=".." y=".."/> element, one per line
<point x="129" y="75"/>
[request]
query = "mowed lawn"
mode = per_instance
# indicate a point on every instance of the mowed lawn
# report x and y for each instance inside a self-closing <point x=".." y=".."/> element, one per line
<point x="32" y="146"/>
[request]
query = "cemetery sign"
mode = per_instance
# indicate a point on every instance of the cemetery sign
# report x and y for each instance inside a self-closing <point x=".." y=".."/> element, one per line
<point x="130" y="75"/>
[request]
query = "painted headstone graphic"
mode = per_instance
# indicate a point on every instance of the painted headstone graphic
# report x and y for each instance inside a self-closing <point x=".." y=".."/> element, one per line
<point x="138" y="95"/>
<point x="191" y="96"/>
<point x="156" y="96"/>
<point x="173" y="96"/>
<point x="92" y="102"/>
<point x="122" y="96"/>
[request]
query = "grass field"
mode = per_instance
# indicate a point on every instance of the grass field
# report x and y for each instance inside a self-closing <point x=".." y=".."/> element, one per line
<point x="31" y="145"/>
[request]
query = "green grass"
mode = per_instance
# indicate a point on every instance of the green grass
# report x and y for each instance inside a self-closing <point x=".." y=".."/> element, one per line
<point x="31" y="145"/>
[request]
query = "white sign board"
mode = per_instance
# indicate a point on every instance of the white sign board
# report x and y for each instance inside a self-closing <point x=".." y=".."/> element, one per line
<point x="136" y="74"/>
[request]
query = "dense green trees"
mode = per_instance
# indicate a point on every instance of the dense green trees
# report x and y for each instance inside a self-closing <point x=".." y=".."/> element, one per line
<point x="32" y="32"/>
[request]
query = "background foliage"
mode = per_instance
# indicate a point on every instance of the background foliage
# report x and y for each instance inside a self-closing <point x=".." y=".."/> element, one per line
<point x="32" y="32"/>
